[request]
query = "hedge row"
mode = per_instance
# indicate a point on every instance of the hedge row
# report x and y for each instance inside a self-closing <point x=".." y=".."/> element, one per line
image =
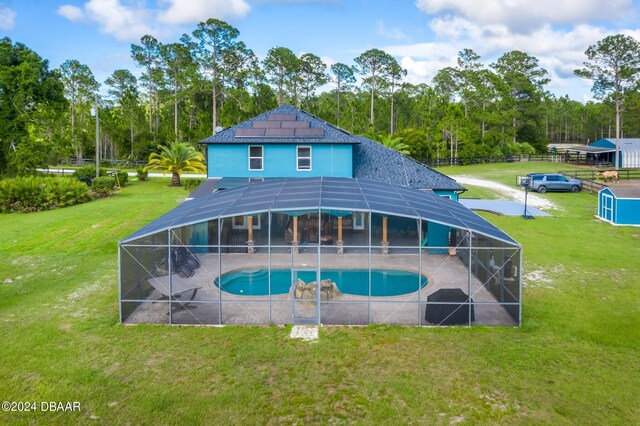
<point x="87" y="174"/>
<point x="35" y="193"/>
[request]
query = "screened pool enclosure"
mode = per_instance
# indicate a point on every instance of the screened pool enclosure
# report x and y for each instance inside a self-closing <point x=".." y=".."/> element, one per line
<point x="320" y="251"/>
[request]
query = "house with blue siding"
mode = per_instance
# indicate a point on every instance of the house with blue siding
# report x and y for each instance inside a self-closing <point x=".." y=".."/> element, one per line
<point x="287" y="142"/>
<point x="312" y="225"/>
<point x="284" y="142"/>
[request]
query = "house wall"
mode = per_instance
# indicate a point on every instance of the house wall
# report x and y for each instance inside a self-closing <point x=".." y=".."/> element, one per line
<point x="438" y="236"/>
<point x="227" y="160"/>
<point x="626" y="211"/>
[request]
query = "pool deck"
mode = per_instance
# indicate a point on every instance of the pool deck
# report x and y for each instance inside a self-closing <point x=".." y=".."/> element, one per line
<point x="211" y="306"/>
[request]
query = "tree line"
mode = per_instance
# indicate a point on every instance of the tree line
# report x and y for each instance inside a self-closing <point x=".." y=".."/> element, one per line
<point x="210" y="79"/>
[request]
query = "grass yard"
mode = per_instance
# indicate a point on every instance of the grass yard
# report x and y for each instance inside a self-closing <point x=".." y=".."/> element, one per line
<point x="573" y="361"/>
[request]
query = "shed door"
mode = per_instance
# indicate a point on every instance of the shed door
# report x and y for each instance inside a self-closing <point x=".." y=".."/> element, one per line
<point x="607" y="207"/>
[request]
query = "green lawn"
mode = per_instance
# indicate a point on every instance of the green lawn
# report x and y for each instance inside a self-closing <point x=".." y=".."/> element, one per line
<point x="574" y="360"/>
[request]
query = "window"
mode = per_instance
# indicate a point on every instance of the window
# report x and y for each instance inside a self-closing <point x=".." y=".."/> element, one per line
<point x="256" y="157"/>
<point x="241" y="222"/>
<point x="445" y="196"/>
<point x="304" y="158"/>
<point x="358" y="220"/>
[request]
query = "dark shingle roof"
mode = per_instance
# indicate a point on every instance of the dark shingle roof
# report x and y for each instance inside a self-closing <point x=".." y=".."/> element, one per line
<point x="293" y="126"/>
<point x="374" y="161"/>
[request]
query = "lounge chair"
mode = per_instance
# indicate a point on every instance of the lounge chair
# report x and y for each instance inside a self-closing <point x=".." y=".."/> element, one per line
<point x="178" y="286"/>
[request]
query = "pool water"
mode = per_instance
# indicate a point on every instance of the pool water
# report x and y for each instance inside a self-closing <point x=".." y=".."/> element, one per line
<point x="384" y="282"/>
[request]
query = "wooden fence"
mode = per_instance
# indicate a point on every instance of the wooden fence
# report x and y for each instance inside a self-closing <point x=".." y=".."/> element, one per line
<point x="516" y="158"/>
<point x="568" y="158"/>
<point x="626" y="174"/>
<point x="103" y="162"/>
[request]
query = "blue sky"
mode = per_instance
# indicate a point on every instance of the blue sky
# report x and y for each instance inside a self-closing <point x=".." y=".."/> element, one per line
<point x="424" y="35"/>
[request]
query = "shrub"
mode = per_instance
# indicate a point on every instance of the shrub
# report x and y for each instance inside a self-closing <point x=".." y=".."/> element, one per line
<point x="142" y="173"/>
<point x="191" y="184"/>
<point x="103" y="186"/>
<point x="122" y="178"/>
<point x="35" y="193"/>
<point x="87" y="173"/>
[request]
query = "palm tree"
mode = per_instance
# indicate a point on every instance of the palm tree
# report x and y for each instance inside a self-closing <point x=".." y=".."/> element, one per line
<point x="176" y="158"/>
<point x="395" y="143"/>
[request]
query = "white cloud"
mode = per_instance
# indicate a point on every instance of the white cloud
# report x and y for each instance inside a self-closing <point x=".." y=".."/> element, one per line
<point x="7" y="18"/>
<point x="525" y="15"/>
<point x="72" y="13"/>
<point x="121" y="21"/>
<point x="330" y="2"/>
<point x="128" y="20"/>
<point x="194" y="11"/>
<point x="421" y="71"/>
<point x="393" y="33"/>
<point x="328" y="60"/>
<point x="560" y="51"/>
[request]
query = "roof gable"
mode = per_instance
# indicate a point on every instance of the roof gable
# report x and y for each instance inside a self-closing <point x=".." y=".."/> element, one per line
<point x="633" y="143"/>
<point x="374" y="161"/>
<point x="284" y="124"/>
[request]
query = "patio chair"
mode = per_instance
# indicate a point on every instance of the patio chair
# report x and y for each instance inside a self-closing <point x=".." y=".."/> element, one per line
<point x="178" y="286"/>
<point x="184" y="262"/>
<point x="183" y="255"/>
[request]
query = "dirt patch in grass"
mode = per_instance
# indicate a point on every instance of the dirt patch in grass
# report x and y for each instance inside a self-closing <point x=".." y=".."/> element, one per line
<point x="537" y="278"/>
<point x="514" y="193"/>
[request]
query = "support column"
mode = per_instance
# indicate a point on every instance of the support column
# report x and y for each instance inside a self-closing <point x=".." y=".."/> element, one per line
<point x="340" y="242"/>
<point x="250" y="249"/>
<point x="385" y="241"/>
<point x="294" y="241"/>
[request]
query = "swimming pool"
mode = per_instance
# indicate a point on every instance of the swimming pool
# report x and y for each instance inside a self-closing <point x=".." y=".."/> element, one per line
<point x="384" y="282"/>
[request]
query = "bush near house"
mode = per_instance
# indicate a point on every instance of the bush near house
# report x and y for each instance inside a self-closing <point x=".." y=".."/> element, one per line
<point x="122" y="178"/>
<point x="103" y="186"/>
<point x="87" y="173"/>
<point x="35" y="193"/>
<point x="191" y="184"/>
<point x="142" y="173"/>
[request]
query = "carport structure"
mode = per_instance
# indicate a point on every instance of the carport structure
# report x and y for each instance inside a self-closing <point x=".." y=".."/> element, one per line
<point x="319" y="251"/>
